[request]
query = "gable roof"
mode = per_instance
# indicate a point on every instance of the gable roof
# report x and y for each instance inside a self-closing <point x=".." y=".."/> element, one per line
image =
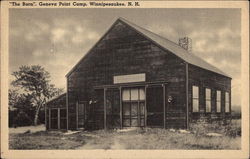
<point x="56" y="97"/>
<point x="165" y="44"/>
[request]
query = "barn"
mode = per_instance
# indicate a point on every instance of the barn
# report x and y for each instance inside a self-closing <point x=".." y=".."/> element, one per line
<point x="133" y="77"/>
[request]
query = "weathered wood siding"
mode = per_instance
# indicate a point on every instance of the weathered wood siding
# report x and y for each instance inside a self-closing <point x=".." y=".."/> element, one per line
<point x="59" y="102"/>
<point x="207" y="79"/>
<point x="124" y="51"/>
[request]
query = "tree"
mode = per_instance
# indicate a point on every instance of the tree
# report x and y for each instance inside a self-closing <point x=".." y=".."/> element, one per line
<point x="19" y="101"/>
<point x="34" y="83"/>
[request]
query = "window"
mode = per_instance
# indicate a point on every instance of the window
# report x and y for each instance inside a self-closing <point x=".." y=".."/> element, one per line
<point x="208" y="100"/>
<point x="195" y="96"/>
<point x="133" y="94"/>
<point x="227" y="102"/>
<point x="218" y="101"/>
<point x="133" y="102"/>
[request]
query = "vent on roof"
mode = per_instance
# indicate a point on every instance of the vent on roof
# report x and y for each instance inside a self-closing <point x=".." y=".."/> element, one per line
<point x="186" y="43"/>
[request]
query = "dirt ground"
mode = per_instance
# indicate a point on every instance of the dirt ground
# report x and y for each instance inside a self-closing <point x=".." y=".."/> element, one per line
<point x="135" y="138"/>
<point x="23" y="129"/>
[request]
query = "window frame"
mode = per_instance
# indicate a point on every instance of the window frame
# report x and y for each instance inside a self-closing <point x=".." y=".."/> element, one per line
<point x="208" y="99"/>
<point x="227" y="102"/>
<point x="195" y="98"/>
<point x="141" y="99"/>
<point x="218" y="100"/>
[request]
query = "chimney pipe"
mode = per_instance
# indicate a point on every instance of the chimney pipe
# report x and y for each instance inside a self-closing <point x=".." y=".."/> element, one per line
<point x="186" y="43"/>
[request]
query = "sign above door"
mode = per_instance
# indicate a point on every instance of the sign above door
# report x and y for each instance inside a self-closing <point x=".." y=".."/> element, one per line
<point x="141" y="77"/>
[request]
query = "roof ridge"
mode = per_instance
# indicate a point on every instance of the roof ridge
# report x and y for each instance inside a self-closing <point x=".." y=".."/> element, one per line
<point x="184" y="52"/>
<point x="123" y="19"/>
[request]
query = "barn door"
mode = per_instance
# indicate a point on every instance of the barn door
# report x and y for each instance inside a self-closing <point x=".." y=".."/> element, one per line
<point x="82" y="113"/>
<point x="54" y="119"/>
<point x="58" y="118"/>
<point x="155" y="106"/>
<point x="113" y="108"/>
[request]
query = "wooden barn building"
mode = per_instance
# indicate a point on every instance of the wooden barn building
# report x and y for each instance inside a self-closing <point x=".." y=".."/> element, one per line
<point x="133" y="77"/>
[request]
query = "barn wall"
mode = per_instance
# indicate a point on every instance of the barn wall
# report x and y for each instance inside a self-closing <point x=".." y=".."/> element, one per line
<point x="58" y="102"/>
<point x="207" y="79"/>
<point x="124" y="51"/>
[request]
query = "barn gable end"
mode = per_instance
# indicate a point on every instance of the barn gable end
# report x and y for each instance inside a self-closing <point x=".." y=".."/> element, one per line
<point x="124" y="51"/>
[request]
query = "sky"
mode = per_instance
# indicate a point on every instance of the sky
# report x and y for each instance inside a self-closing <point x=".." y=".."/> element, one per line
<point x="58" y="38"/>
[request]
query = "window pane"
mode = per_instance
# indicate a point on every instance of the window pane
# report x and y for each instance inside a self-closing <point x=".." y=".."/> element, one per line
<point x="208" y="106"/>
<point x="54" y="124"/>
<point x="126" y="122"/>
<point x="195" y="92"/>
<point x="218" y="104"/>
<point x="134" y="109"/>
<point x="63" y="113"/>
<point x="142" y="122"/>
<point x="227" y="97"/>
<point x="142" y="94"/>
<point x="142" y="108"/>
<point x="63" y="124"/>
<point x="218" y="95"/>
<point x="134" y="94"/>
<point x="208" y="93"/>
<point x="195" y="105"/>
<point x="227" y="102"/>
<point x="227" y="107"/>
<point x="134" y="122"/>
<point x="54" y="113"/>
<point x="126" y="94"/>
<point x="126" y="109"/>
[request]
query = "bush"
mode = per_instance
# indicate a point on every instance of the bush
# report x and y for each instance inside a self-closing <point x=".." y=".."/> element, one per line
<point x="12" y="115"/>
<point x="233" y="129"/>
<point x="22" y="119"/>
<point x="230" y="128"/>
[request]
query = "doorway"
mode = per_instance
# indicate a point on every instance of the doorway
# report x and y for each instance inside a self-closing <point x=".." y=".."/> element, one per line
<point x="82" y="113"/>
<point x="57" y="118"/>
<point x="155" y="106"/>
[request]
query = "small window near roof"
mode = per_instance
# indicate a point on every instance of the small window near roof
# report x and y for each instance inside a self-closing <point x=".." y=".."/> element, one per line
<point x="195" y="100"/>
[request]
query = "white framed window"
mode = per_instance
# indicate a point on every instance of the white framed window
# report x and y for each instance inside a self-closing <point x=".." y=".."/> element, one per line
<point x="208" y="100"/>
<point x="195" y="98"/>
<point x="218" y="101"/>
<point x="133" y="94"/>
<point x="227" y="109"/>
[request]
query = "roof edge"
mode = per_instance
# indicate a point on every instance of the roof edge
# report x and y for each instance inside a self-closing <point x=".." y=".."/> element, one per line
<point x="88" y="52"/>
<point x="125" y="21"/>
<point x="54" y="98"/>
<point x="227" y="76"/>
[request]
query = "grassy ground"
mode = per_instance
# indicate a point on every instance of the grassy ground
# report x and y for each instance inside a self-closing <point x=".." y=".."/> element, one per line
<point x="135" y="139"/>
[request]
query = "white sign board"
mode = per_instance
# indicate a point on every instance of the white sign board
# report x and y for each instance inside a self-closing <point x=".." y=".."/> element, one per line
<point x="130" y="78"/>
